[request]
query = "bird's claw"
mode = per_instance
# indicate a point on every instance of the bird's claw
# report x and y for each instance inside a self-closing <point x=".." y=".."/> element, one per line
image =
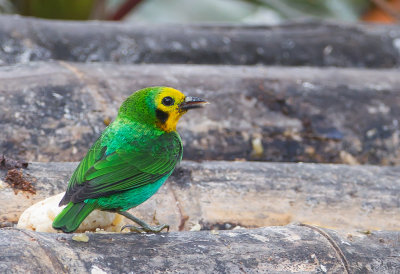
<point x="146" y="229"/>
<point x="133" y="228"/>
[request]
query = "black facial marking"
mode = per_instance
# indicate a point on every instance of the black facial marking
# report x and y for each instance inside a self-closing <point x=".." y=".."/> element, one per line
<point x="161" y="116"/>
<point x="167" y="101"/>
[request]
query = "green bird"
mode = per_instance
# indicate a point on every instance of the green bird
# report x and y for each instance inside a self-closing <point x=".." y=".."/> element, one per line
<point x="131" y="159"/>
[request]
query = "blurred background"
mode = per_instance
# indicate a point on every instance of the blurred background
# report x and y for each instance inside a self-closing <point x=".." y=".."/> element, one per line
<point x="185" y="11"/>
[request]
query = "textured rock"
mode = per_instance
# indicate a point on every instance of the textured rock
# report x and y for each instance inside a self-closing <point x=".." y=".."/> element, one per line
<point x="222" y="195"/>
<point x="273" y="249"/>
<point x="315" y="43"/>
<point x="54" y="111"/>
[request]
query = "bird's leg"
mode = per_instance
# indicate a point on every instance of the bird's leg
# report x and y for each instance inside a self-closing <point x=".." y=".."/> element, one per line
<point x="143" y="226"/>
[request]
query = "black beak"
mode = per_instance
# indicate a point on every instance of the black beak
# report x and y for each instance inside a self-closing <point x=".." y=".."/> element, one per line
<point x="192" y="102"/>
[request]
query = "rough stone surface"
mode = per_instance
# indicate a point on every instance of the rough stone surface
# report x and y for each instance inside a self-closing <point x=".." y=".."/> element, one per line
<point x="54" y="111"/>
<point x="222" y="195"/>
<point x="273" y="249"/>
<point x="315" y="43"/>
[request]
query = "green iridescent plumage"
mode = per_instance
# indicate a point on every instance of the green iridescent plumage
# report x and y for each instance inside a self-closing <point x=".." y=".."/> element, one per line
<point x="130" y="160"/>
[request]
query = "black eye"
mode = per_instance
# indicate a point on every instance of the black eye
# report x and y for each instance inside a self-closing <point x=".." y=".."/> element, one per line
<point x="167" y="101"/>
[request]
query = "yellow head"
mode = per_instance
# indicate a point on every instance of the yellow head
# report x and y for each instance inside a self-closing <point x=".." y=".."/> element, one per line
<point x="162" y="106"/>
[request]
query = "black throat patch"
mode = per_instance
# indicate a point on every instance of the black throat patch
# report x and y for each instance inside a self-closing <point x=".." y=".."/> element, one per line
<point x="162" y="116"/>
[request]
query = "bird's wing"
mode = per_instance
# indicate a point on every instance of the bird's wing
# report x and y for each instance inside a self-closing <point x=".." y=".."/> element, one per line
<point x="100" y="175"/>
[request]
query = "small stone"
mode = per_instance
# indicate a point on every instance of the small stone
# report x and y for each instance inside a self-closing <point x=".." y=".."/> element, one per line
<point x="81" y="237"/>
<point x="107" y="121"/>
<point x="196" y="227"/>
<point x="348" y="159"/>
<point x="258" y="148"/>
<point x="309" y="150"/>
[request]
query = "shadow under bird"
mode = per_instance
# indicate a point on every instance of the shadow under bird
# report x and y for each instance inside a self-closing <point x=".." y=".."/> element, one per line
<point x="131" y="159"/>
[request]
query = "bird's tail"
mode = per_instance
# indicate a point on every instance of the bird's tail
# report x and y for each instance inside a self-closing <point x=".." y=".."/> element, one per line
<point x="72" y="216"/>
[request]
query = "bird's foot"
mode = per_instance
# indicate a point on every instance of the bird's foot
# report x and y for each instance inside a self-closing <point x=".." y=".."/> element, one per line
<point x="146" y="228"/>
<point x="143" y="227"/>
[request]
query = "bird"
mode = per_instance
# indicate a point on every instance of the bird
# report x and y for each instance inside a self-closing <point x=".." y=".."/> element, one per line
<point x="131" y="159"/>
